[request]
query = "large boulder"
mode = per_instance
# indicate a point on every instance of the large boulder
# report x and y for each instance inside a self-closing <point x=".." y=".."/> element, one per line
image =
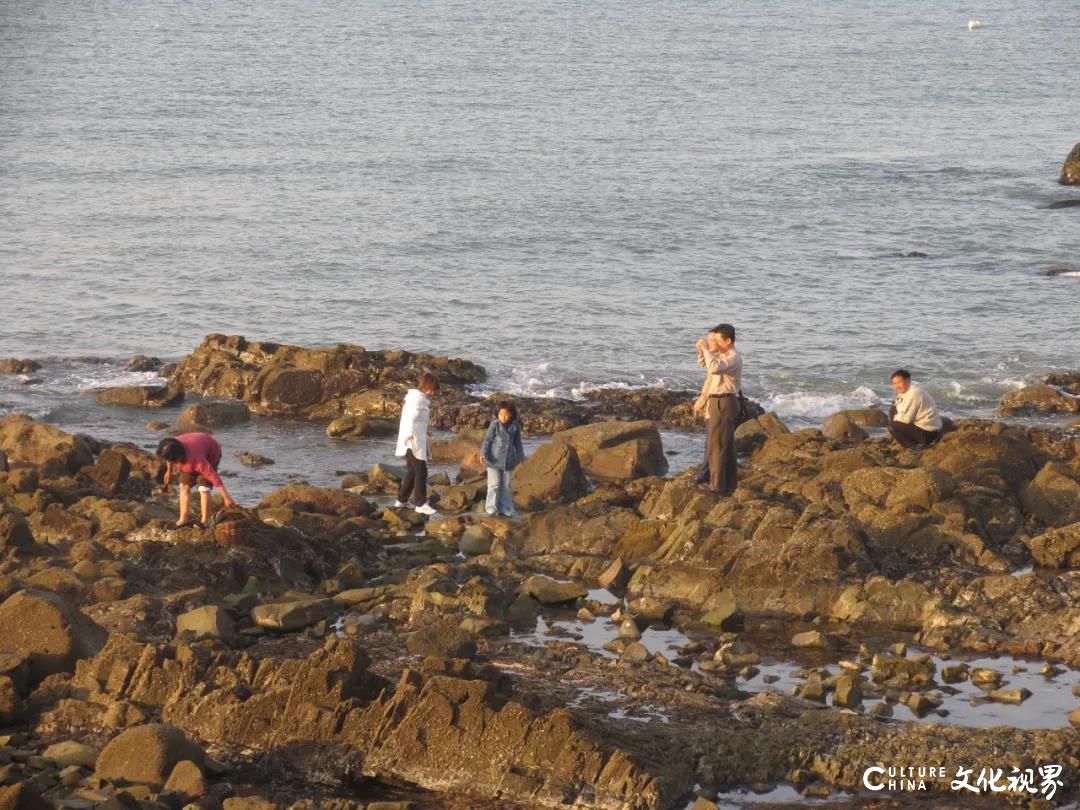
<point x="285" y="389"/>
<point x="14" y="365"/>
<point x="548" y="591"/>
<point x="1068" y="381"/>
<point x="870" y="485"/>
<point x="1057" y="548"/>
<point x="14" y="531"/>
<point x="111" y="471"/>
<point x="144" y="363"/>
<point x="286" y="617"/>
<point x="1001" y="460"/>
<point x="322" y="383"/>
<point x="867" y="417"/>
<point x="10" y="702"/>
<point x="361" y="427"/>
<point x="1037" y="399"/>
<point x="52" y="451"/>
<point x="880" y="600"/>
<point x="324" y="501"/>
<point x="214" y="415"/>
<point x="71" y="752"/>
<point x="842" y="427"/>
<point x="617" y="451"/>
<point x="753" y="433"/>
<point x="48" y="630"/>
<point x="209" y="621"/>
<point x="444" y="639"/>
<point x="920" y="489"/>
<point x="551" y="475"/>
<point x="1070" y="169"/>
<point x="58" y="525"/>
<point x="146" y="754"/>
<point x="140" y="396"/>
<point x="22" y="796"/>
<point x="464" y="448"/>
<point x="1053" y="496"/>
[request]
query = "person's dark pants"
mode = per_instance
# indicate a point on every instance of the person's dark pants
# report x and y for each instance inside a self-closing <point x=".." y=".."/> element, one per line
<point x="909" y="435"/>
<point x="703" y="474"/>
<point x="722" y="413"/>
<point x="415" y="481"/>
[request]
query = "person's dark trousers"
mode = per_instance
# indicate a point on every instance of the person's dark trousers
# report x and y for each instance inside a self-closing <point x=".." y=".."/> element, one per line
<point x="722" y="413"/>
<point x="703" y="476"/>
<point x="415" y="480"/>
<point x="910" y="435"/>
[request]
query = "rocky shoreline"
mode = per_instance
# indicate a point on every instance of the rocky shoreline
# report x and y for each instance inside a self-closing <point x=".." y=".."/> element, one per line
<point x="326" y="650"/>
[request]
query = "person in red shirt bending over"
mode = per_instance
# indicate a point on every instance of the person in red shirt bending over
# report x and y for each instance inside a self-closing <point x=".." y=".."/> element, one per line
<point x="194" y="458"/>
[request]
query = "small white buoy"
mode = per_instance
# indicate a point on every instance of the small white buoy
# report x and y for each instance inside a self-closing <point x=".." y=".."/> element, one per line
<point x="973" y="24"/>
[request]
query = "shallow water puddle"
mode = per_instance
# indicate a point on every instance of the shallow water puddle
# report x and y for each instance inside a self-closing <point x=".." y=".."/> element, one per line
<point x="1051" y="698"/>
<point x="1048" y="707"/>
<point x="589" y="696"/>
<point x="780" y="795"/>
<point x="594" y="635"/>
<point x="603" y="597"/>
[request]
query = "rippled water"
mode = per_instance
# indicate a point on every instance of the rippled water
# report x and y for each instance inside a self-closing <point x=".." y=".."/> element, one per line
<point x="568" y="193"/>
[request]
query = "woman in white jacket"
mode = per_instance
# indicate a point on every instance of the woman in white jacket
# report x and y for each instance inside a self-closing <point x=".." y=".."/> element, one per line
<point x="412" y="443"/>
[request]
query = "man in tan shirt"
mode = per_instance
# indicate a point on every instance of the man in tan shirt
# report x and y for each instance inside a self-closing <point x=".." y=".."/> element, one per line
<point x="720" y="403"/>
<point x="914" y="420"/>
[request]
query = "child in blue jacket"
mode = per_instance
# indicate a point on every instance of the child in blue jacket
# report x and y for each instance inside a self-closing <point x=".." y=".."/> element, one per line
<point x="502" y="451"/>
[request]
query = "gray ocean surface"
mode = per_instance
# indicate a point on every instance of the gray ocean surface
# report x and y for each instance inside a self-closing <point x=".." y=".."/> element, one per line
<point x="568" y="193"/>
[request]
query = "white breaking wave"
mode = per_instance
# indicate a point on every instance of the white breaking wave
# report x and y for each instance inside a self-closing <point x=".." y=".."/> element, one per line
<point x="111" y="378"/>
<point x="813" y="405"/>
<point x="545" y="381"/>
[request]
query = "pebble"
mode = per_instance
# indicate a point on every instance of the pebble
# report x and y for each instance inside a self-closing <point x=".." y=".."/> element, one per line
<point x="985" y="677"/>
<point x="921" y="705"/>
<point x="1013" y="696"/>
<point x="882" y="709"/>
<point x="954" y="673"/>
<point x="810" y="639"/>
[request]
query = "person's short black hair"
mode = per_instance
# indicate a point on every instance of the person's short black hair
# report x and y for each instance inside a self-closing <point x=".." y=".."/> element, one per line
<point x="725" y="330"/>
<point x="507" y="405"/>
<point x="171" y="450"/>
<point x="902" y="373"/>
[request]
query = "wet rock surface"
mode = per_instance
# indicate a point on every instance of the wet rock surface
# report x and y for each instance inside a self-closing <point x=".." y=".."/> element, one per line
<point x="277" y="379"/>
<point x="359" y="391"/>
<point x="1070" y="169"/>
<point x="852" y="603"/>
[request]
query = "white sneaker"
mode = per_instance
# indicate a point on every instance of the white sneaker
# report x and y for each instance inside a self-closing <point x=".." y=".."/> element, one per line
<point x="426" y="509"/>
<point x="491" y="512"/>
<point x="398" y="504"/>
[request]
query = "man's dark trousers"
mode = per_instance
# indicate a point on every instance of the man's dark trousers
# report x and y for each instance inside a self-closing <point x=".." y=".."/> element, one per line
<point x="722" y="413"/>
